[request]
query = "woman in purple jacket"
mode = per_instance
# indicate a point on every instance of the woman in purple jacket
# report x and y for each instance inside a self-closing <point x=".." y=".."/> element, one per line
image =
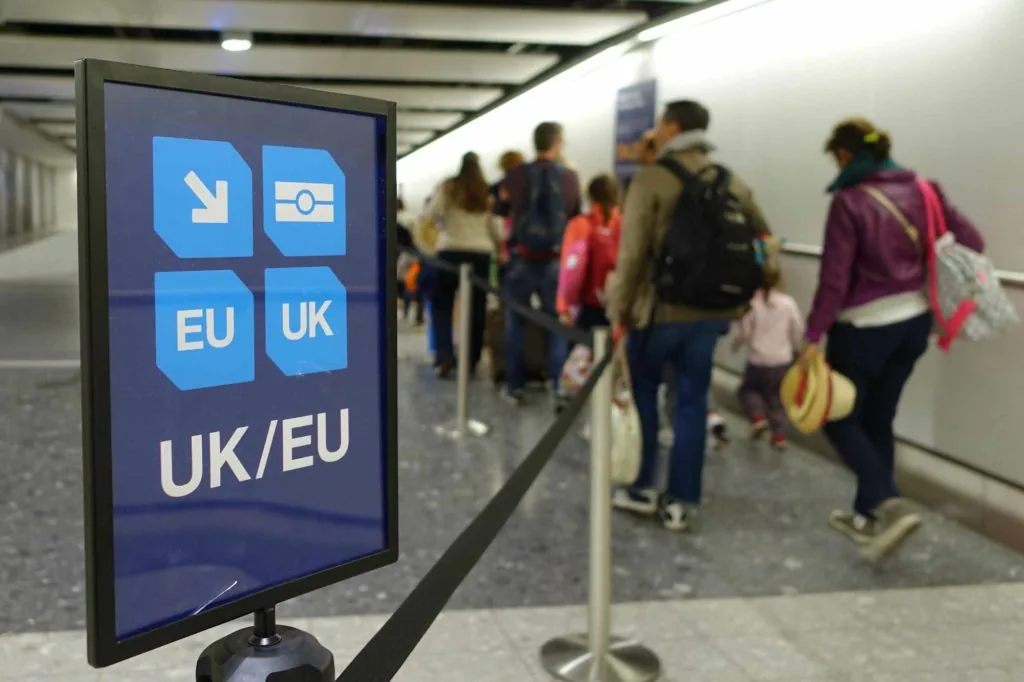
<point x="870" y="302"/>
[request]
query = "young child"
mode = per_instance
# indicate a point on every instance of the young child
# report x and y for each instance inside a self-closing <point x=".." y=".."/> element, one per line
<point x="771" y="332"/>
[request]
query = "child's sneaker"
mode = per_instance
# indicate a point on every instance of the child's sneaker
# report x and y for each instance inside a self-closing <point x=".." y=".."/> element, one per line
<point x="675" y="516"/>
<point x="644" y="502"/>
<point x="516" y="397"/>
<point x="758" y="427"/>
<point x="779" y="441"/>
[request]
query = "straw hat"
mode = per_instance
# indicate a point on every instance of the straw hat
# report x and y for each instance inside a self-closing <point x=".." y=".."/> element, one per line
<point x="817" y="396"/>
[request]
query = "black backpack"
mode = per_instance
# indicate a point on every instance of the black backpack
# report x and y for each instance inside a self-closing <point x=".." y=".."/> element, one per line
<point x="539" y="229"/>
<point x="708" y="260"/>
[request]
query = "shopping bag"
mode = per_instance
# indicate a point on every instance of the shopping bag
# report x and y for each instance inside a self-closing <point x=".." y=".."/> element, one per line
<point x="627" y="438"/>
<point x="576" y="370"/>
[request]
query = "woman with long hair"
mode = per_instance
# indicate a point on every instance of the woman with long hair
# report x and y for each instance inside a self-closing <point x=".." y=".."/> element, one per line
<point x="469" y="233"/>
<point x="870" y="304"/>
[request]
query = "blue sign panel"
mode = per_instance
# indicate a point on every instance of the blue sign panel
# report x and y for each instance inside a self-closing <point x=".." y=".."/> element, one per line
<point x="634" y="115"/>
<point x="204" y="328"/>
<point x="306" y="320"/>
<point x="303" y="201"/>
<point x="202" y="198"/>
<point x="248" y="426"/>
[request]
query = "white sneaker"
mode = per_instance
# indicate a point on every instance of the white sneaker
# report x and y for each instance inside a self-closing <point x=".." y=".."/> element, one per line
<point x="644" y="502"/>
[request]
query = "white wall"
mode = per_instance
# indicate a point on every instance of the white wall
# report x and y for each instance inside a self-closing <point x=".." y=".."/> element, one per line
<point x="944" y="76"/>
<point x="65" y="195"/>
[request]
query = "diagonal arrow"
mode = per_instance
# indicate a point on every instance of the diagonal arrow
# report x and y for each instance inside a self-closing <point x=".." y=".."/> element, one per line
<point x="215" y="205"/>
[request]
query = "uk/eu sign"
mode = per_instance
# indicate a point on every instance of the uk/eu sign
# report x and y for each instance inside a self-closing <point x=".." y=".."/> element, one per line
<point x="240" y="441"/>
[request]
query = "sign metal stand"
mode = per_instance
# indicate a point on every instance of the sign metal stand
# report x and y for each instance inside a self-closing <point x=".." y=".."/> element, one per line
<point x="265" y="652"/>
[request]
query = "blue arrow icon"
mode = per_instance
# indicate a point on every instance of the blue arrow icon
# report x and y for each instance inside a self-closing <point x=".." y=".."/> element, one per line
<point x="202" y="198"/>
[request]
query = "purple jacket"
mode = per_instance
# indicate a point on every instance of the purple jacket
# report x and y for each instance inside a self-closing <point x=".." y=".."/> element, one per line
<point x="868" y="255"/>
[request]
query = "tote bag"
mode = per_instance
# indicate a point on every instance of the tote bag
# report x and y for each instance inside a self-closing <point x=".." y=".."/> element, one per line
<point x="627" y="438"/>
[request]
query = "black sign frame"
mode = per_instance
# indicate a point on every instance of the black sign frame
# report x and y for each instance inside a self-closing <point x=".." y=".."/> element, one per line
<point x="91" y="75"/>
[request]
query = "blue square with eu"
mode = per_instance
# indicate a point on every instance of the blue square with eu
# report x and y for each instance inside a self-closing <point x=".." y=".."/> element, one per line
<point x="205" y="328"/>
<point x="307" y="320"/>
<point x="202" y="198"/>
<point x="303" y="201"/>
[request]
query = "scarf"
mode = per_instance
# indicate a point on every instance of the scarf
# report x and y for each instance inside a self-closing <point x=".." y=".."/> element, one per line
<point x="859" y="168"/>
<point x="688" y="140"/>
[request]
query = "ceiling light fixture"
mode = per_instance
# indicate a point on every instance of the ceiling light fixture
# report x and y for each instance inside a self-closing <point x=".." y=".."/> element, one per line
<point x="236" y="41"/>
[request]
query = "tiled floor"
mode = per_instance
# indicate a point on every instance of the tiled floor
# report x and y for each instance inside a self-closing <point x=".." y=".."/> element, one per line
<point x="762" y="591"/>
<point x="965" y="634"/>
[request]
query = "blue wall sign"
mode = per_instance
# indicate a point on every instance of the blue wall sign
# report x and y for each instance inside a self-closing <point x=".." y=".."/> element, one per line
<point x="634" y="115"/>
<point x="248" y="428"/>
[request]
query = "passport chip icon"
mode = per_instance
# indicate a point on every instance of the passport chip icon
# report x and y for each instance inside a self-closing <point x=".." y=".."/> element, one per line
<point x="303" y="202"/>
<point x="304" y="211"/>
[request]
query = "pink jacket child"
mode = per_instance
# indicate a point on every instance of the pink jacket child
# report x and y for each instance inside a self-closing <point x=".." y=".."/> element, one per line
<point x="771" y="331"/>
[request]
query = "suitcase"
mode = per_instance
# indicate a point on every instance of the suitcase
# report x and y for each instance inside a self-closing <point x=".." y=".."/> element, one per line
<point x="536" y="347"/>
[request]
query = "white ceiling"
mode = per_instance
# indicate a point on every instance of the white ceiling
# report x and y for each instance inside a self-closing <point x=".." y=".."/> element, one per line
<point x="441" y="63"/>
<point x="374" y="19"/>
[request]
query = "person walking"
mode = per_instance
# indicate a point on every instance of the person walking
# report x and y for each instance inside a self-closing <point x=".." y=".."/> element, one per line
<point x="469" y="233"/>
<point x="869" y="302"/>
<point x="661" y="332"/>
<point x="772" y="332"/>
<point x="544" y="196"/>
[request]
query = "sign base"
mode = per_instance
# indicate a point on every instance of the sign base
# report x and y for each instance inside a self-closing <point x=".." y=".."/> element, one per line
<point x="454" y="431"/>
<point x="266" y="653"/>
<point x="570" y="659"/>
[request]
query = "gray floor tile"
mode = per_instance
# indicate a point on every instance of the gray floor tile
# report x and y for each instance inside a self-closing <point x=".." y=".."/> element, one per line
<point x="770" y="657"/>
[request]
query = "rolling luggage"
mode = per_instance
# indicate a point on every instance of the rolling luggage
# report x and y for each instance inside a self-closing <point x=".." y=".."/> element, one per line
<point x="536" y="347"/>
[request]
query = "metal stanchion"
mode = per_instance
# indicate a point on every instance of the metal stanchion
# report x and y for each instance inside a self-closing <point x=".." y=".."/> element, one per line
<point x="599" y="657"/>
<point x="463" y="424"/>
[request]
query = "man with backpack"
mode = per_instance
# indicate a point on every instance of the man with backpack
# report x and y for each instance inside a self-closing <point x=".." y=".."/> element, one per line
<point x="689" y="264"/>
<point x="543" y="196"/>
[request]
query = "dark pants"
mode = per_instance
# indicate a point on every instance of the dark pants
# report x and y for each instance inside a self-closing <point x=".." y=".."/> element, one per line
<point x="591" y="317"/>
<point x="878" y="360"/>
<point x="759" y="396"/>
<point x="688" y="347"/>
<point x="523" y="279"/>
<point x="443" y="303"/>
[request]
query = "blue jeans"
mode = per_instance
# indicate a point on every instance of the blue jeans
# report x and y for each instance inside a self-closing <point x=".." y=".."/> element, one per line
<point x="879" y="361"/>
<point x="523" y="279"/>
<point x="688" y="349"/>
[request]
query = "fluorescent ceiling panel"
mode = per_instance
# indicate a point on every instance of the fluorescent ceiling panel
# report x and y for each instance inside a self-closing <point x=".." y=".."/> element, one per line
<point x="463" y="66"/>
<point x="383" y="19"/>
<point x="427" y="120"/>
<point x="46" y="110"/>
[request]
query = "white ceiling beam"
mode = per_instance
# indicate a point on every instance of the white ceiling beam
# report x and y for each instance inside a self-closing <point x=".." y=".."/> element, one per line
<point x="464" y="66"/>
<point x="416" y="97"/>
<point x="413" y="137"/>
<point x="21" y="87"/>
<point x="424" y="120"/>
<point x="57" y="129"/>
<point x="16" y="87"/>
<point x="57" y="111"/>
<point x="377" y="19"/>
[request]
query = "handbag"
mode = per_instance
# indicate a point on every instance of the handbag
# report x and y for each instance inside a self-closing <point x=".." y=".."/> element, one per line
<point x="963" y="288"/>
<point x="627" y="437"/>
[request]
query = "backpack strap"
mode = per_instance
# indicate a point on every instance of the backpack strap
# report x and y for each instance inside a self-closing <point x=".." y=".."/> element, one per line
<point x="675" y="168"/>
<point x="908" y="227"/>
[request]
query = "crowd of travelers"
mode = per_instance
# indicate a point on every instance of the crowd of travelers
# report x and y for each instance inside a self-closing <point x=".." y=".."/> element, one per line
<point x="676" y="257"/>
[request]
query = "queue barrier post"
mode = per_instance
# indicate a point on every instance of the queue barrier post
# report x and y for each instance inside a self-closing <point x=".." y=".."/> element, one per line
<point x="463" y="424"/>
<point x="597" y="656"/>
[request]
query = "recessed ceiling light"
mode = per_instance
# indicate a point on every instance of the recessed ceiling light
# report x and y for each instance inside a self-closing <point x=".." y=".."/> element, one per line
<point x="236" y="41"/>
